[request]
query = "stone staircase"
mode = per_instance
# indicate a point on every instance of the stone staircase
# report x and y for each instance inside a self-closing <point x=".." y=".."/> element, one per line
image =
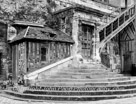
<point x="87" y="82"/>
<point x="111" y="29"/>
<point x="78" y="75"/>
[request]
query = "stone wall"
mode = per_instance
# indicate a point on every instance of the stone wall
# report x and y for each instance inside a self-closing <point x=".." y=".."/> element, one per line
<point x="65" y="19"/>
<point x="88" y="3"/>
<point x="3" y="51"/>
<point x="79" y="19"/>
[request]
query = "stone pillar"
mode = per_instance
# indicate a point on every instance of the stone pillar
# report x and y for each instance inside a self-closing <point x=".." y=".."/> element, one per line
<point x="96" y="53"/>
<point x="94" y="43"/>
<point x="75" y="32"/>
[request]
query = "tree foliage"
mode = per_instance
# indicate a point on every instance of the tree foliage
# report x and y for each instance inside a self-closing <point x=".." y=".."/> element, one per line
<point x="39" y="11"/>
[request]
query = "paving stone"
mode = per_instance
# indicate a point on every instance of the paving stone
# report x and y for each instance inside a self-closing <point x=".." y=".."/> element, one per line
<point x="132" y="100"/>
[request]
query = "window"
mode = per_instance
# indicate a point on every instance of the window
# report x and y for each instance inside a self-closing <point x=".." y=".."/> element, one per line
<point x="43" y="54"/>
<point x="63" y="24"/>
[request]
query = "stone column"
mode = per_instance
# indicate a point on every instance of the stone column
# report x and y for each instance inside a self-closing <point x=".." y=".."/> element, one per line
<point x="75" y="32"/>
<point x="96" y="53"/>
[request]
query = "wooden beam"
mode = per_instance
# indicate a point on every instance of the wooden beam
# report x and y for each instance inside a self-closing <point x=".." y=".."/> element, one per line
<point x="131" y="32"/>
<point x="126" y="40"/>
<point x="133" y="22"/>
<point x="25" y="57"/>
<point x="126" y="30"/>
<point x="124" y="34"/>
<point x="133" y="27"/>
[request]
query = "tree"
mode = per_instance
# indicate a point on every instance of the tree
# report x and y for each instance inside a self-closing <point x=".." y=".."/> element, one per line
<point x="27" y="10"/>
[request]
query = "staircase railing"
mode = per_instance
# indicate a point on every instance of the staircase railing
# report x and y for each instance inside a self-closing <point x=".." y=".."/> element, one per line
<point x="115" y="26"/>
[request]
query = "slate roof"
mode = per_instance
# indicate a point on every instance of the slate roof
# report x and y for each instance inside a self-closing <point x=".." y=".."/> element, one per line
<point x="26" y="23"/>
<point x="42" y="33"/>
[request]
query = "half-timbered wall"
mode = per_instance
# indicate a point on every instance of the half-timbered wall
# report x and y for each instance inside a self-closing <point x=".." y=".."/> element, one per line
<point x="33" y="55"/>
<point x="18" y="59"/>
<point x="19" y="54"/>
<point x="44" y="53"/>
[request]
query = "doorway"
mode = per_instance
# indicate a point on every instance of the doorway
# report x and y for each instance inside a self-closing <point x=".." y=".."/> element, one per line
<point x="127" y="63"/>
<point x="87" y="35"/>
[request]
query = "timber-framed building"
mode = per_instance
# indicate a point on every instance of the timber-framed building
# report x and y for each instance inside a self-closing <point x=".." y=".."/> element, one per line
<point x="86" y="30"/>
<point x="91" y="56"/>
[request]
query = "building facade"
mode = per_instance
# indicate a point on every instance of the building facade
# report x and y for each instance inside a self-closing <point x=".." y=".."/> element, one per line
<point x="36" y="46"/>
<point x="85" y="21"/>
<point x="33" y="46"/>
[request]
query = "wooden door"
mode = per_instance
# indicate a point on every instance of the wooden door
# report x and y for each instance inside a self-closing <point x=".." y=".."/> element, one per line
<point x="127" y="63"/>
<point x="87" y="48"/>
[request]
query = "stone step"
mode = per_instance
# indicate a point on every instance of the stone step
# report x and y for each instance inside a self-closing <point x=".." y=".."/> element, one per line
<point x="84" y="70"/>
<point x="85" y="76"/>
<point x="89" y="80"/>
<point x="83" y="93"/>
<point x="93" y="68"/>
<point x="81" y="73"/>
<point x="59" y="83"/>
<point x="35" y="97"/>
<point x="81" y="88"/>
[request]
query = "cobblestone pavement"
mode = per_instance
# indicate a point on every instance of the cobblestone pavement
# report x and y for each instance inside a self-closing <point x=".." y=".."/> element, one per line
<point x="4" y="100"/>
